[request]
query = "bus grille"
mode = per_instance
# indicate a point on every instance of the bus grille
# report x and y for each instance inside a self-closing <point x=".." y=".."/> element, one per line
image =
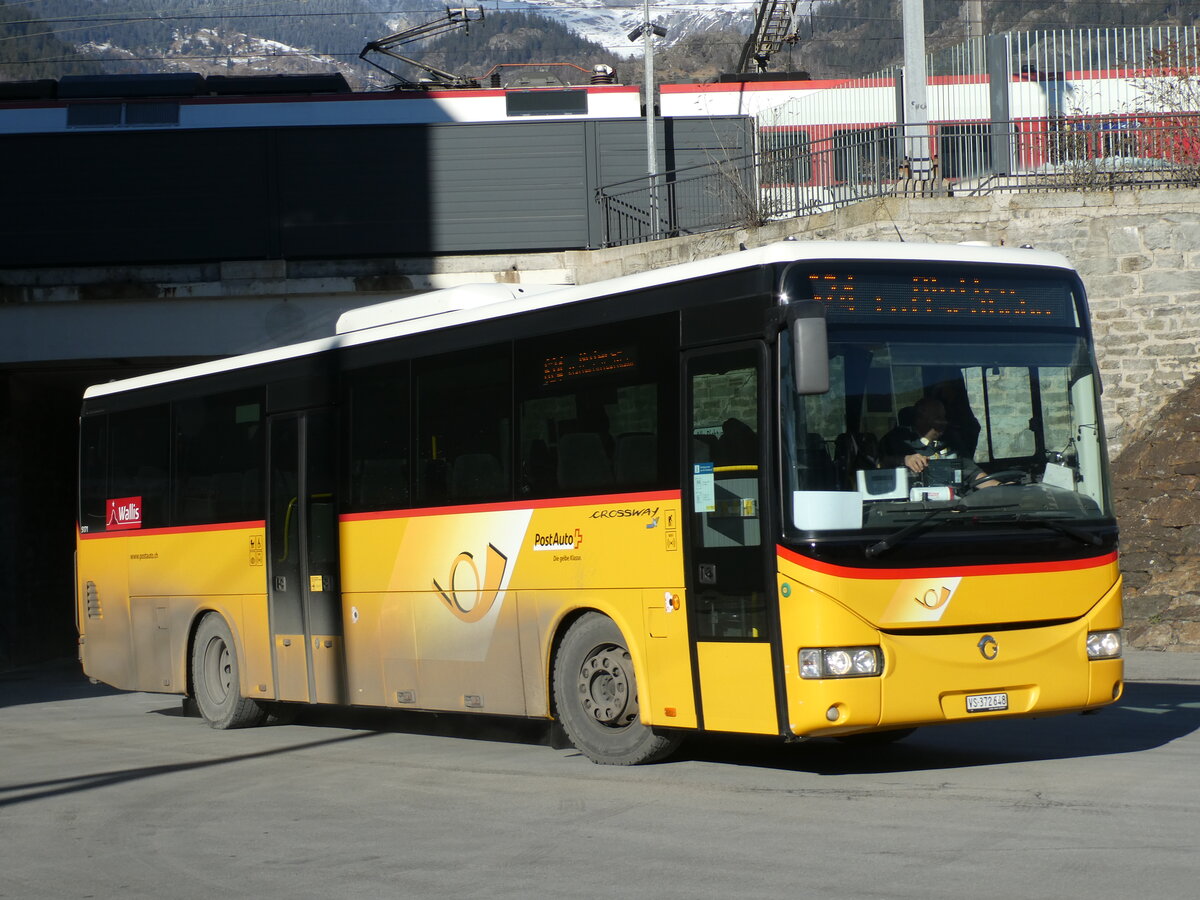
<point x="93" y="601"/>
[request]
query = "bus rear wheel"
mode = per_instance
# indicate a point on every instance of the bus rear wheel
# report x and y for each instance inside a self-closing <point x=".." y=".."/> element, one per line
<point x="216" y="680"/>
<point x="595" y="695"/>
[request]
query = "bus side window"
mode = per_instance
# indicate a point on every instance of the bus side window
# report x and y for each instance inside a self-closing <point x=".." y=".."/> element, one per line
<point x="93" y="469"/>
<point x="379" y="423"/>
<point x="597" y="410"/>
<point x="464" y="427"/>
<point x="219" y="458"/>
<point x="140" y="448"/>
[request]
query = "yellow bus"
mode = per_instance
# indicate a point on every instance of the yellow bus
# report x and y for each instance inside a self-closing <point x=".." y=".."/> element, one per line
<point x="807" y="490"/>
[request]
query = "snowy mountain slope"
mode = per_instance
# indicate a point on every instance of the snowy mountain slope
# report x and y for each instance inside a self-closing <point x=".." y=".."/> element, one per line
<point x="608" y="22"/>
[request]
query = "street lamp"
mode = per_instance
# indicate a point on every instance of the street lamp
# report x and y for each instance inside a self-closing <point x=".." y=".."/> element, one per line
<point x="647" y="31"/>
<point x="916" y="109"/>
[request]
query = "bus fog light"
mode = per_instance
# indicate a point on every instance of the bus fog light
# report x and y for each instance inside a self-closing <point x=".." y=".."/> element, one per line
<point x="840" y="662"/>
<point x="1103" y="644"/>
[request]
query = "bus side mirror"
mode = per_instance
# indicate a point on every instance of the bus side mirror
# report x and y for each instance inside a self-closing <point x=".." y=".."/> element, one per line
<point x="810" y="347"/>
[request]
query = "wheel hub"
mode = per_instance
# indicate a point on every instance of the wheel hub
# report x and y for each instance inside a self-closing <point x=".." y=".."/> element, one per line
<point x="218" y="669"/>
<point x="604" y="687"/>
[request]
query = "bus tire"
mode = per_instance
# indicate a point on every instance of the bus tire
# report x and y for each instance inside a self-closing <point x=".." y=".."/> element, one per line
<point x="215" y="678"/>
<point x="596" y="699"/>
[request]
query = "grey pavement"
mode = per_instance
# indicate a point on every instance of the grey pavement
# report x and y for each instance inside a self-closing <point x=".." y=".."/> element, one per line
<point x="111" y="794"/>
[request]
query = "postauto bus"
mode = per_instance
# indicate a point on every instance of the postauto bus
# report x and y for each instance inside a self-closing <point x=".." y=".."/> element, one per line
<point x="806" y="490"/>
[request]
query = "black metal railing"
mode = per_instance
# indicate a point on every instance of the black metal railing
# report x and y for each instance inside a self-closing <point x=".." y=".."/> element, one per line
<point x="792" y="176"/>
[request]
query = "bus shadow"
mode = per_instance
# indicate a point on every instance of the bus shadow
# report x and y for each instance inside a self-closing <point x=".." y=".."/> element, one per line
<point x="50" y="682"/>
<point x="32" y="792"/>
<point x="463" y="726"/>
<point x="1149" y="715"/>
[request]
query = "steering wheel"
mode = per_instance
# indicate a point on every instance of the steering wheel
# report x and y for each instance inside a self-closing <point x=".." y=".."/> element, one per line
<point x="1006" y="476"/>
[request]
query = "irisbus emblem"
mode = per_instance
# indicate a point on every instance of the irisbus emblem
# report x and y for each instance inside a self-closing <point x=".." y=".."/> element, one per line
<point x="125" y="512"/>
<point x="988" y="648"/>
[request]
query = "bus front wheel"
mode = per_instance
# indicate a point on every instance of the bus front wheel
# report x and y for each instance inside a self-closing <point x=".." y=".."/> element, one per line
<point x="215" y="679"/>
<point x="596" y="699"/>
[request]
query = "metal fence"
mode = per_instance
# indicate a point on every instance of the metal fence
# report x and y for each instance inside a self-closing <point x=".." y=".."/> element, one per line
<point x="1098" y="71"/>
<point x="1034" y="111"/>
<point x="804" y="178"/>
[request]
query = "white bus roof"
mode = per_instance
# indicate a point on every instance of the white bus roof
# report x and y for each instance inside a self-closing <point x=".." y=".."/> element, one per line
<point x="473" y="303"/>
<point x="432" y="303"/>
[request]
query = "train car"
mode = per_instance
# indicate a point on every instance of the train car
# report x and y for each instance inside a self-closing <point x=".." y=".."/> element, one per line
<point x="193" y="101"/>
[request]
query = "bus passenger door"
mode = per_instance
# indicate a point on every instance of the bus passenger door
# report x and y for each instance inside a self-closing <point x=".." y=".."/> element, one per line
<point x="303" y="583"/>
<point x="730" y="614"/>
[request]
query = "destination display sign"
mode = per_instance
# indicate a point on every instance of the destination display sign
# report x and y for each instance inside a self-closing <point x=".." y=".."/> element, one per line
<point x="565" y="367"/>
<point x="979" y="295"/>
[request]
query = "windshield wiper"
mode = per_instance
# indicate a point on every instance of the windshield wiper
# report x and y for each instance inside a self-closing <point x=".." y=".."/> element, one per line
<point x="881" y="547"/>
<point x="1085" y="537"/>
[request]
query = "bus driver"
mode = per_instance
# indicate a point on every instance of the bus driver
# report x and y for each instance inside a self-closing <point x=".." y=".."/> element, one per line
<point x="915" y="447"/>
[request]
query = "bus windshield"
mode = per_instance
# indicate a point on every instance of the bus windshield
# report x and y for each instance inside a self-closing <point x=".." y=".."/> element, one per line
<point x="989" y="426"/>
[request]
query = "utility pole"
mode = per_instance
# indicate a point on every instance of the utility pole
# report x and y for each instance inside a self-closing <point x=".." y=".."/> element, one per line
<point x="648" y="31"/>
<point x="916" y="106"/>
<point x="651" y="142"/>
<point x="973" y="10"/>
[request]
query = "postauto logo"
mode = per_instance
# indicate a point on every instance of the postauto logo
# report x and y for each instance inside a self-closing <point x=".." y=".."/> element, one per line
<point x="558" y="540"/>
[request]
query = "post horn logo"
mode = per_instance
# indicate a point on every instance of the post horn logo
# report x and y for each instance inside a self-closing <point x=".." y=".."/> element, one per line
<point x="935" y="598"/>
<point x="486" y="591"/>
<point x="988" y="648"/>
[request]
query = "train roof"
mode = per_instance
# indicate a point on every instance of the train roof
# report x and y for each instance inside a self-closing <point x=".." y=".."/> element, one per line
<point x="466" y="304"/>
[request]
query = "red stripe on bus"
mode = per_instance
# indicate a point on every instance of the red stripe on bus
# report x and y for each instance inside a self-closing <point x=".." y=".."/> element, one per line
<point x="179" y="529"/>
<point x="1067" y="565"/>
<point x="599" y="500"/>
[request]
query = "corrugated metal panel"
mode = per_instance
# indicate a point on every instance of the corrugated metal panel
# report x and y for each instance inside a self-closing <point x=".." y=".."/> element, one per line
<point x="620" y="148"/>
<point x="515" y="186"/>
<point x="328" y="192"/>
<point x="134" y="197"/>
<point x="359" y="191"/>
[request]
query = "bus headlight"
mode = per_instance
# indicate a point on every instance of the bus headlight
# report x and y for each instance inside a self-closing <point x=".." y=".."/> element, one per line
<point x="1103" y="644"/>
<point x="840" y="662"/>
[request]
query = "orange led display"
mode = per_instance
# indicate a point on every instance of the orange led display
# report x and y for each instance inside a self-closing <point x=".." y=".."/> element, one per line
<point x="569" y="366"/>
<point x="942" y="296"/>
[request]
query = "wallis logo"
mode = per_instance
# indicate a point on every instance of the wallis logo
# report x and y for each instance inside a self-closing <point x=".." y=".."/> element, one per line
<point x="125" y="512"/>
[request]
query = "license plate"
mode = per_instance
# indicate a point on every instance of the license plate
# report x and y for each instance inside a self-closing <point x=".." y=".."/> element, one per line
<point x="987" y="702"/>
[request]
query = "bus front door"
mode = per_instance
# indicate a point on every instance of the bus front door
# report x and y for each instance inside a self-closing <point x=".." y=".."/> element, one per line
<point x="302" y="536"/>
<point x="730" y="621"/>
